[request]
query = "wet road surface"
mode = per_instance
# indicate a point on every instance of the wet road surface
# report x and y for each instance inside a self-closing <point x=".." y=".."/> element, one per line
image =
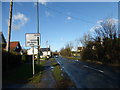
<point x="87" y="75"/>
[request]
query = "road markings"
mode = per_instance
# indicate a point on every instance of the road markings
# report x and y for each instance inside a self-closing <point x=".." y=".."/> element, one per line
<point x="93" y="69"/>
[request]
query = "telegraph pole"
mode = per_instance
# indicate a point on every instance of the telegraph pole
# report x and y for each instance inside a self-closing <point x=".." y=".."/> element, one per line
<point x="38" y="56"/>
<point x="47" y="46"/>
<point x="9" y="26"/>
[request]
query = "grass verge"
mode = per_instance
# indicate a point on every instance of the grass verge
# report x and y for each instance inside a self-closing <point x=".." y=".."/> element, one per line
<point x="62" y="79"/>
<point x="92" y="61"/>
<point x="72" y="58"/>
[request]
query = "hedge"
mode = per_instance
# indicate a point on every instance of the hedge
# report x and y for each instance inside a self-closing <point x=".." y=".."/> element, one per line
<point x="10" y="60"/>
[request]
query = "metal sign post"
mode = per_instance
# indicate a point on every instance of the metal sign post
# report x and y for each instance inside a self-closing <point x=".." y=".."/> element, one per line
<point x="33" y="63"/>
<point x="32" y="41"/>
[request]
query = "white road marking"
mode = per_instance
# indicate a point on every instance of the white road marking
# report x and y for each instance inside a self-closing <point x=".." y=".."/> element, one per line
<point x="93" y="68"/>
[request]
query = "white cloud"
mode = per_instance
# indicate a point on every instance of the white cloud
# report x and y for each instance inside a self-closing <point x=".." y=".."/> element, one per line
<point x="114" y="20"/>
<point x="92" y="29"/>
<point x="95" y="28"/>
<point x="47" y="13"/>
<point x="69" y="18"/>
<point x="43" y="2"/>
<point x="19" y="20"/>
<point x="99" y="21"/>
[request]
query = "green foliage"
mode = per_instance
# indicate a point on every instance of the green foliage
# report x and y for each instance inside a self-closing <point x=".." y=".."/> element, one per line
<point x="66" y="52"/>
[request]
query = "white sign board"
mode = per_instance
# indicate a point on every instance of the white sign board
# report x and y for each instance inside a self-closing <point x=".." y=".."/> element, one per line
<point x="32" y="39"/>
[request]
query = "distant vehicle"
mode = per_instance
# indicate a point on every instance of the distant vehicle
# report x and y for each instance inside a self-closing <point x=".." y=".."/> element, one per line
<point x="56" y="56"/>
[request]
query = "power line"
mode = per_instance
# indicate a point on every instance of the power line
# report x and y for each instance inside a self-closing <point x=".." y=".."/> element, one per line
<point x="73" y="17"/>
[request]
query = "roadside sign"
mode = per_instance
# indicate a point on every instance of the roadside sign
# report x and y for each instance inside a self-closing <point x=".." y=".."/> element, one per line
<point x="32" y="39"/>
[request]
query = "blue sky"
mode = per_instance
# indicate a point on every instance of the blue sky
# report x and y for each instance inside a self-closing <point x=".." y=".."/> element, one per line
<point x="60" y="22"/>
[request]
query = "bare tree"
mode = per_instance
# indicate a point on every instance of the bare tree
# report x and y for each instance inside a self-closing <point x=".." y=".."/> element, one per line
<point x="86" y="38"/>
<point x="106" y="29"/>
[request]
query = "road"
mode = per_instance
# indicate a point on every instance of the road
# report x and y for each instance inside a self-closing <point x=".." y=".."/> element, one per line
<point x="87" y="75"/>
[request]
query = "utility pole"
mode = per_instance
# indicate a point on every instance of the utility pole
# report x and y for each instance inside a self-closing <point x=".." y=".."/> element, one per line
<point x="47" y="46"/>
<point x="9" y="26"/>
<point x="38" y="56"/>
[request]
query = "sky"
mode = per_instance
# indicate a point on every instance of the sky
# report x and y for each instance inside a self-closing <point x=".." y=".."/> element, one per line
<point x="60" y="22"/>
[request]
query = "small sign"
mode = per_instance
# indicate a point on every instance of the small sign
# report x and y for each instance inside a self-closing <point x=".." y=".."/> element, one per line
<point x="32" y="39"/>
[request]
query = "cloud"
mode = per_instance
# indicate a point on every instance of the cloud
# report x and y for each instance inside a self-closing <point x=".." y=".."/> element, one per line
<point x="114" y="20"/>
<point x="95" y="28"/>
<point x="69" y="18"/>
<point x="47" y="13"/>
<point x="43" y="2"/>
<point x="99" y="21"/>
<point x="18" y="21"/>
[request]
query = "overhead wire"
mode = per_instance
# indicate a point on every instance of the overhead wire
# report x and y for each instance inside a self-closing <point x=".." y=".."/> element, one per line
<point x="73" y="17"/>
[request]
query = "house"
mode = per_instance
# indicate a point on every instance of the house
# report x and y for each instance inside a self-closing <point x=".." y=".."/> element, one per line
<point x="79" y="49"/>
<point x="2" y="40"/>
<point x="46" y="52"/>
<point x="78" y="52"/>
<point x="15" y="47"/>
<point x="43" y="52"/>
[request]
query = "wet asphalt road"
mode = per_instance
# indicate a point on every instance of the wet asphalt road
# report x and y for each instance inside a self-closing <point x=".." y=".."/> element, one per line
<point x="87" y="75"/>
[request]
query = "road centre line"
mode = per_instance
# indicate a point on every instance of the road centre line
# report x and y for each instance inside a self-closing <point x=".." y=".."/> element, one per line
<point x="93" y="68"/>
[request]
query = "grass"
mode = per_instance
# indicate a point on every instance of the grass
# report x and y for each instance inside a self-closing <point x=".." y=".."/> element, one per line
<point x="57" y="73"/>
<point x="93" y="61"/>
<point x="52" y="59"/>
<point x="23" y="74"/>
<point x="61" y="77"/>
<point x="72" y="58"/>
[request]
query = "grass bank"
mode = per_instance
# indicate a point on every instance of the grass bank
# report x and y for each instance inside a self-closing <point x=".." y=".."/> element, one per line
<point x="72" y="58"/>
<point x="62" y="79"/>
<point x="92" y="61"/>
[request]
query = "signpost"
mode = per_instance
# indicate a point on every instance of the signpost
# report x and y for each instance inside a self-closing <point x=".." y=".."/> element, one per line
<point x="32" y="41"/>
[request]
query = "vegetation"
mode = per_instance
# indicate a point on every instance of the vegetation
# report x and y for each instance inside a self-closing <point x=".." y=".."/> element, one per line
<point x="72" y="58"/>
<point x="10" y="60"/>
<point x="61" y="77"/>
<point x="104" y="46"/>
<point x="67" y="51"/>
<point x="23" y="74"/>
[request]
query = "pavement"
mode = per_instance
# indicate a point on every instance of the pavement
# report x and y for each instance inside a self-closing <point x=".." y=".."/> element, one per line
<point x="88" y="75"/>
